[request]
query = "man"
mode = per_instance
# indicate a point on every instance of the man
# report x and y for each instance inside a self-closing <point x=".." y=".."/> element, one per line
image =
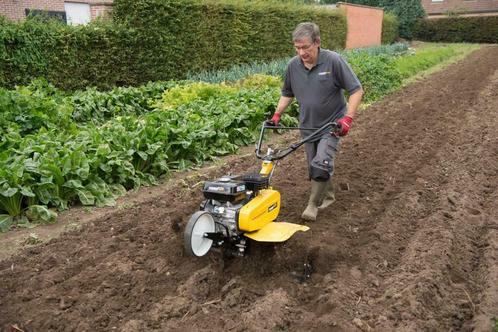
<point x="317" y="78"/>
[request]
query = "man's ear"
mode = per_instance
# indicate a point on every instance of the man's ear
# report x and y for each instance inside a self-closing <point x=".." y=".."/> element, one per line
<point x="317" y="41"/>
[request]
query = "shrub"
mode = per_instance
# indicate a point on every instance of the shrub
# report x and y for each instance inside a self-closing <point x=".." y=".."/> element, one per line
<point x="408" y="12"/>
<point x="377" y="74"/>
<point x="390" y="28"/>
<point x="477" y="29"/>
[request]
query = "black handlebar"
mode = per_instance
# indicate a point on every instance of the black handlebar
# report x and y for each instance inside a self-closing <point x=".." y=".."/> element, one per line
<point x="332" y="126"/>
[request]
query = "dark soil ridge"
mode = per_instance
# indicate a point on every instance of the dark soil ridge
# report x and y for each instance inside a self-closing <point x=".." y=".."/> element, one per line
<point x="412" y="245"/>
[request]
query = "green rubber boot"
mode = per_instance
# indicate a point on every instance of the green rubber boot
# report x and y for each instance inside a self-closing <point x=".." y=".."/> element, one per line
<point x="317" y="192"/>
<point x="328" y="197"/>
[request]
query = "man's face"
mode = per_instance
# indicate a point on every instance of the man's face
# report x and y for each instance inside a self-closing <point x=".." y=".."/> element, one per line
<point x="307" y="50"/>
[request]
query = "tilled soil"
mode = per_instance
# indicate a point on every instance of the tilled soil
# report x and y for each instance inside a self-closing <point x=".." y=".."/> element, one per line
<point x="411" y="243"/>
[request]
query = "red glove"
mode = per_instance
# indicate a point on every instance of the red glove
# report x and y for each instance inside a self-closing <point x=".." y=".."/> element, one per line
<point x="345" y="123"/>
<point x="276" y="118"/>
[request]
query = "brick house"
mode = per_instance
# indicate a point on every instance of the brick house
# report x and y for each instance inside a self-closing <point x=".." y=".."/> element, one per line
<point x="73" y="11"/>
<point x="435" y="8"/>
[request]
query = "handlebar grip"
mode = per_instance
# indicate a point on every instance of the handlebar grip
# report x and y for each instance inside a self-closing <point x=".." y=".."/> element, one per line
<point x="270" y="123"/>
<point x="335" y="128"/>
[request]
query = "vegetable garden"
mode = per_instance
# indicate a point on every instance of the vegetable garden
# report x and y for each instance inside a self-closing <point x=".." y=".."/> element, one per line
<point x="89" y="147"/>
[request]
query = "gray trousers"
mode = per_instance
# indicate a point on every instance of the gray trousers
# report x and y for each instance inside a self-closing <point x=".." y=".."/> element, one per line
<point x="320" y="156"/>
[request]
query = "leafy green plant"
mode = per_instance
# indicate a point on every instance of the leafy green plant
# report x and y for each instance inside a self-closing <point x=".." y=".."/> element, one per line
<point x="32" y="239"/>
<point x="428" y="57"/>
<point x="36" y="106"/>
<point x="180" y="95"/>
<point x="10" y="200"/>
<point x="377" y="74"/>
<point x="98" y="106"/>
<point x="260" y="81"/>
<point x="14" y="185"/>
<point x="40" y="212"/>
<point x="396" y="49"/>
<point x="5" y="222"/>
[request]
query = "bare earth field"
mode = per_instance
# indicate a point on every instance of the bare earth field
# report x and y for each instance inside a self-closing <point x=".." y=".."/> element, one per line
<point x="411" y="245"/>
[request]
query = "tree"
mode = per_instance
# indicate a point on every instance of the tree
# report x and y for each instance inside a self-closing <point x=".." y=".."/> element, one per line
<point x="408" y="11"/>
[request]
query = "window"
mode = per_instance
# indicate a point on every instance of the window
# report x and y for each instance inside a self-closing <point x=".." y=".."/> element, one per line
<point x="77" y="13"/>
<point x="45" y="14"/>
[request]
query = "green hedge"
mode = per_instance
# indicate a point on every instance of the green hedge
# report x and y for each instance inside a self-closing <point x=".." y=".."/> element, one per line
<point x="23" y="51"/>
<point x="483" y="29"/>
<point x="155" y="40"/>
<point x="191" y="36"/>
<point x="390" y="28"/>
<point x="101" y="54"/>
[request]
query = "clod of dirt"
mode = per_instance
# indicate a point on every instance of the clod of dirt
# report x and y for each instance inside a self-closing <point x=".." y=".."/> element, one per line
<point x="200" y="284"/>
<point x="361" y="325"/>
<point x="169" y="307"/>
<point x="230" y="285"/>
<point x="344" y="186"/>
<point x="175" y="224"/>
<point x="134" y="325"/>
<point x="268" y="313"/>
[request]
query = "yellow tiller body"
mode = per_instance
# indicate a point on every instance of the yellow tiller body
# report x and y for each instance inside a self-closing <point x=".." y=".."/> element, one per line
<point x="260" y="211"/>
<point x="257" y="217"/>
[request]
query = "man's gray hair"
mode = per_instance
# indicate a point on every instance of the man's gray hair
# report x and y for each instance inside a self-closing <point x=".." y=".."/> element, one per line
<point x="306" y="30"/>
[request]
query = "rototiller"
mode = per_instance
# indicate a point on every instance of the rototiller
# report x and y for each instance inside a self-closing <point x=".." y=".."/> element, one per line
<point x="236" y="208"/>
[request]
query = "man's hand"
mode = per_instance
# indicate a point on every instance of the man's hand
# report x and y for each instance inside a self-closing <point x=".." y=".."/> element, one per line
<point x="345" y="123"/>
<point x="275" y="119"/>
